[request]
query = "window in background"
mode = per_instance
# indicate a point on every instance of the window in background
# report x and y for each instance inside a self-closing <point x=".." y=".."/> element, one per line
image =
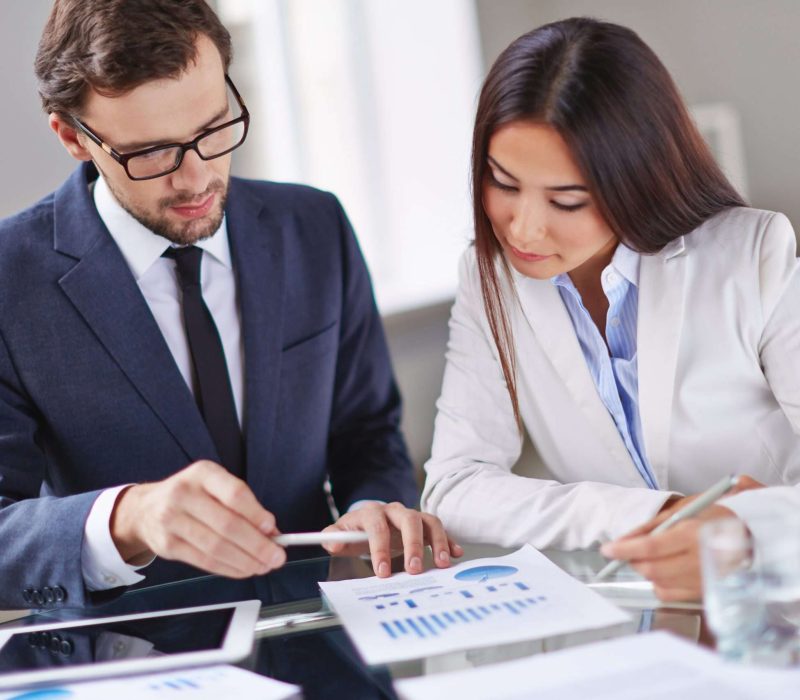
<point x="373" y="101"/>
<point x="720" y="126"/>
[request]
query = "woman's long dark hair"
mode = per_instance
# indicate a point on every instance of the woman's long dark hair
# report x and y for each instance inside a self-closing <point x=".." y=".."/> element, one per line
<point x="646" y="165"/>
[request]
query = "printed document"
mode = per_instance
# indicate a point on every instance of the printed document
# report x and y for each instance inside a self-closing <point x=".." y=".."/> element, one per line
<point x="477" y="603"/>
<point x="209" y="683"/>
<point x="654" y="666"/>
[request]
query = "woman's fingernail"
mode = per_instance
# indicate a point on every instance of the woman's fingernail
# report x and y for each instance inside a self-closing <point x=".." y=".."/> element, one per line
<point x="415" y="564"/>
<point x="444" y="556"/>
<point x="606" y="549"/>
<point x="383" y="569"/>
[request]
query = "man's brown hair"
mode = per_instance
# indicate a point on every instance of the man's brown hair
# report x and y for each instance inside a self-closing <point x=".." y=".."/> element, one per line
<point x="113" y="46"/>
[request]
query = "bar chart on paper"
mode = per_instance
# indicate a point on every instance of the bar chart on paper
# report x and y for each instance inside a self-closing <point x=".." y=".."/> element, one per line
<point x="520" y="596"/>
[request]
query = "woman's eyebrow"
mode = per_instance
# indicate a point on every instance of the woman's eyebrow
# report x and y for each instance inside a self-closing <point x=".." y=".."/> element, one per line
<point x="500" y="167"/>
<point x="568" y="188"/>
<point x="555" y="188"/>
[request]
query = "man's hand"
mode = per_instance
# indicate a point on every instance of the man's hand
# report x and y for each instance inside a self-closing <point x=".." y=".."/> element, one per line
<point x="204" y="516"/>
<point x="671" y="560"/>
<point x="395" y="526"/>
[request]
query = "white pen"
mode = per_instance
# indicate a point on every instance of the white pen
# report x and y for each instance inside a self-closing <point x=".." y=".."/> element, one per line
<point x="309" y="538"/>
<point x="702" y="502"/>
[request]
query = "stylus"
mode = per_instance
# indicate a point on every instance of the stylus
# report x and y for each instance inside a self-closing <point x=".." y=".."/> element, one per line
<point x="301" y="538"/>
<point x="702" y="502"/>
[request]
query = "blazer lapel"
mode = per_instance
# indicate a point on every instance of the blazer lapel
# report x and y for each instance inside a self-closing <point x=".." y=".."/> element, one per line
<point x="661" y="309"/>
<point x="256" y="238"/>
<point x="550" y="322"/>
<point x="103" y="290"/>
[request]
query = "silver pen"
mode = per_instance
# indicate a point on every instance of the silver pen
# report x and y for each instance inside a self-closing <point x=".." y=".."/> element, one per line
<point x="702" y="502"/>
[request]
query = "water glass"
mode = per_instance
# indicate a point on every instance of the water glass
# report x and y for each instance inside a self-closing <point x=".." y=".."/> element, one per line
<point x="777" y="548"/>
<point x="732" y="595"/>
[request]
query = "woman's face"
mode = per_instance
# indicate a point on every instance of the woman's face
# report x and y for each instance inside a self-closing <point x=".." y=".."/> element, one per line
<point x="538" y="204"/>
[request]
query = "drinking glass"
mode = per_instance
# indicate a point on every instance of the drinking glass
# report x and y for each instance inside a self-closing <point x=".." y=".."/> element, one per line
<point x="734" y="607"/>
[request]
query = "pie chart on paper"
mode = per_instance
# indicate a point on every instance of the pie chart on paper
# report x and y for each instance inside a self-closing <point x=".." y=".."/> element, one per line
<point x="484" y="573"/>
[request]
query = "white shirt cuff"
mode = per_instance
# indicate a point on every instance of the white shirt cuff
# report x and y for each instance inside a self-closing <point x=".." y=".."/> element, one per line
<point x="101" y="563"/>
<point x="358" y="505"/>
<point x="756" y="506"/>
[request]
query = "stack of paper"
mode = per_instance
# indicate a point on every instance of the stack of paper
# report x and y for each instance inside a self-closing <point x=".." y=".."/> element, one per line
<point x="654" y="666"/>
<point x="478" y="603"/>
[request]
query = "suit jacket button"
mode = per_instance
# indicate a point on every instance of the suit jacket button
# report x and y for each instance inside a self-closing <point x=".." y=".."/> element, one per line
<point x="55" y="643"/>
<point x="67" y="647"/>
<point x="60" y="593"/>
<point x="37" y="597"/>
<point x="27" y="595"/>
<point x="48" y="594"/>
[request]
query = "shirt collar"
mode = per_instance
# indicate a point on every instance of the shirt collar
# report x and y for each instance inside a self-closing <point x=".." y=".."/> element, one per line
<point x="139" y="245"/>
<point x="624" y="261"/>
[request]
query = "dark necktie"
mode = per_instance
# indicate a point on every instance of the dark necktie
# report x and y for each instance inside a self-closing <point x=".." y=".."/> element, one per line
<point x="213" y="391"/>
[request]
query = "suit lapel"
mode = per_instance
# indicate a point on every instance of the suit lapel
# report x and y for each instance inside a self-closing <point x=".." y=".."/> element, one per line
<point x="661" y="309"/>
<point x="104" y="292"/>
<point x="256" y="237"/>
<point x="549" y="319"/>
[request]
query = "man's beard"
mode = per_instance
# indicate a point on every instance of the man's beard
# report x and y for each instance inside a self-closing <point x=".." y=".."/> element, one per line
<point x="186" y="233"/>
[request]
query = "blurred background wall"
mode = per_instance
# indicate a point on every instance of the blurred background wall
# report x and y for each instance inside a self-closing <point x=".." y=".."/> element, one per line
<point x="738" y="53"/>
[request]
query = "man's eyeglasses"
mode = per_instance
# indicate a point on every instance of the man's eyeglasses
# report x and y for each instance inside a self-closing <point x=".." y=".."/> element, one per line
<point x="157" y="161"/>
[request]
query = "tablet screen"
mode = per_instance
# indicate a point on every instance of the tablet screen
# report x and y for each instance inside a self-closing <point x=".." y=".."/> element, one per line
<point x="115" y="641"/>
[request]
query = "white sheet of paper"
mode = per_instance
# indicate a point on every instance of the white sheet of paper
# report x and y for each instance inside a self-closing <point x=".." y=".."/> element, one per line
<point x="209" y="683"/>
<point x="477" y="603"/>
<point x="655" y="666"/>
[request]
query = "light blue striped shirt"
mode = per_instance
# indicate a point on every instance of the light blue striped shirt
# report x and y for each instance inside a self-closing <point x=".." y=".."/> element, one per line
<point x="614" y="375"/>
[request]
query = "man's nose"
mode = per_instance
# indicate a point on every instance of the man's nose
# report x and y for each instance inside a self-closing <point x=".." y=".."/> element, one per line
<point x="193" y="175"/>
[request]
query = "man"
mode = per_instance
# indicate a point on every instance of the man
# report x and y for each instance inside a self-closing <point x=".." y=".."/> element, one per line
<point x="161" y="314"/>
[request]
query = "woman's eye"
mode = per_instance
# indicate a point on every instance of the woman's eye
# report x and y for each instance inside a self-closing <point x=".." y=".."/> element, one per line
<point x="494" y="182"/>
<point x="568" y="207"/>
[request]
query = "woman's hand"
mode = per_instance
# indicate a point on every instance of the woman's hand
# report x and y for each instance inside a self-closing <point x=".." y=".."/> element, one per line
<point x="671" y="559"/>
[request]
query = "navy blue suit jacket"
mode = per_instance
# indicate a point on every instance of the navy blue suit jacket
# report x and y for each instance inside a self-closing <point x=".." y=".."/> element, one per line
<point x="90" y="396"/>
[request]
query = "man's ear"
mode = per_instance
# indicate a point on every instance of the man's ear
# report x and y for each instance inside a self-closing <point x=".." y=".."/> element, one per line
<point x="68" y="135"/>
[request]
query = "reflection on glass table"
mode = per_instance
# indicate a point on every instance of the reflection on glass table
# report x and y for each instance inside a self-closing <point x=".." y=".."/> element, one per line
<point x="298" y="640"/>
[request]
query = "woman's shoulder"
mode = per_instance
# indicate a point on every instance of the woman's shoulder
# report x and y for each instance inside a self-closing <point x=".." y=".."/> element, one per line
<point x="744" y="229"/>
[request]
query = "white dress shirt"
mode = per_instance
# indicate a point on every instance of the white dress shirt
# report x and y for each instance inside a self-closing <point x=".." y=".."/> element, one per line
<point x="102" y="565"/>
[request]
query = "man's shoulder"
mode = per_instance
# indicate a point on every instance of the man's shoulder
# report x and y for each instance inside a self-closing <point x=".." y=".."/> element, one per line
<point x="287" y="195"/>
<point x="28" y="226"/>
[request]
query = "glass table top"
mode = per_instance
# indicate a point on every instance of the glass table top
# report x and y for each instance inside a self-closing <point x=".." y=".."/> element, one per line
<point x="299" y="640"/>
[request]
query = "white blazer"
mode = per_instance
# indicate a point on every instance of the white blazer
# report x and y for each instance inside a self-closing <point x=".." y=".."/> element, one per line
<point x="718" y="344"/>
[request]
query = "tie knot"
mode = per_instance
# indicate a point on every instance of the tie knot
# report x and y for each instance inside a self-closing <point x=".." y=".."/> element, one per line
<point x="187" y="261"/>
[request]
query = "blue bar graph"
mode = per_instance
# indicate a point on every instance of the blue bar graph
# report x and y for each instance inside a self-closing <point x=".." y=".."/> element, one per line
<point x="427" y="626"/>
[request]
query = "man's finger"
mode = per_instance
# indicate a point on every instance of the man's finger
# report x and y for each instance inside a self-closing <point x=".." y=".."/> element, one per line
<point x="237" y="531"/>
<point x="220" y="550"/>
<point x="409" y="523"/>
<point x="373" y="522"/>
<point x="180" y="550"/>
<point x="436" y="536"/>
<point x="235" y="494"/>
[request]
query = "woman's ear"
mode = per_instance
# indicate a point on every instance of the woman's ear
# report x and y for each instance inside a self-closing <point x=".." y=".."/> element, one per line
<point x="68" y="135"/>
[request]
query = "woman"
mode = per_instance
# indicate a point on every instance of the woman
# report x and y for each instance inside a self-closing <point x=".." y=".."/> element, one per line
<point x="620" y="305"/>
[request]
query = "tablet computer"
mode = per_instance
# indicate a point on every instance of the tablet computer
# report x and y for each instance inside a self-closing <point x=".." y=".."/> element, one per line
<point x="126" y="644"/>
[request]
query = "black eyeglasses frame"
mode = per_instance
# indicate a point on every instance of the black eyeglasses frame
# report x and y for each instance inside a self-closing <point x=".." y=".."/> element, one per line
<point x="124" y="158"/>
